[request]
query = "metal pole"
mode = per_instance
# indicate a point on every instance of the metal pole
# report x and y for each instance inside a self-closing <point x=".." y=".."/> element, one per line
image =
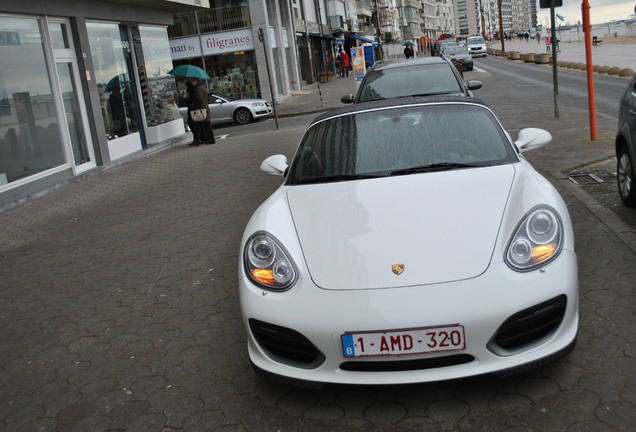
<point x="585" y="9"/>
<point x="501" y="32"/>
<point x="263" y="38"/>
<point x="555" y="75"/>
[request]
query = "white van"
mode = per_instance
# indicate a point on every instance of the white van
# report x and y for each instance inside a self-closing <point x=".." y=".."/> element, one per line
<point x="476" y="46"/>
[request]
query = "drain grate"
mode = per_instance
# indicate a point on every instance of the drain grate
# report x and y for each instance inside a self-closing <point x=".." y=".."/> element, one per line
<point x="585" y="179"/>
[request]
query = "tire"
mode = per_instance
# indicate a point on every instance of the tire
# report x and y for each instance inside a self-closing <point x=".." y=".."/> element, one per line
<point x="243" y="116"/>
<point x="625" y="176"/>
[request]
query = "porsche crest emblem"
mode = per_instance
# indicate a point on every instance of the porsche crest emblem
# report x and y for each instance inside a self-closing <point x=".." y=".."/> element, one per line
<point x="398" y="269"/>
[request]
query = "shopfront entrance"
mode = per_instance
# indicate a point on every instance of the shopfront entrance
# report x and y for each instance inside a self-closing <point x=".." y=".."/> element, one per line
<point x="43" y="126"/>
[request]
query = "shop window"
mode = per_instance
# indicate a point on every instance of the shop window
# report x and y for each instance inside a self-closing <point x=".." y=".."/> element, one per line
<point x="158" y="88"/>
<point x="30" y="137"/>
<point x="112" y="62"/>
<point x="233" y="75"/>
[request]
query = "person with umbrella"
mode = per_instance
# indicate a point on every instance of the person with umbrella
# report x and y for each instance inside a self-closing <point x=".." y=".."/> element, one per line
<point x="408" y="50"/>
<point x="197" y="100"/>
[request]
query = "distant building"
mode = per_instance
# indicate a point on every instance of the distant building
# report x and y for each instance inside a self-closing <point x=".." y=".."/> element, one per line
<point x="475" y="17"/>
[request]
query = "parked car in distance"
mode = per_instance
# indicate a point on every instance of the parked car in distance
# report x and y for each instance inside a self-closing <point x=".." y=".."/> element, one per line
<point x="459" y="52"/>
<point x="476" y="46"/>
<point x="446" y="46"/>
<point x="626" y="145"/>
<point x="440" y="43"/>
<point x="422" y="76"/>
<point x="224" y="109"/>
<point x="396" y="252"/>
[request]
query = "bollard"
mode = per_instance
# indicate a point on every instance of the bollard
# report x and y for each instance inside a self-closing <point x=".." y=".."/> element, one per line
<point x="322" y="102"/>
<point x="459" y="66"/>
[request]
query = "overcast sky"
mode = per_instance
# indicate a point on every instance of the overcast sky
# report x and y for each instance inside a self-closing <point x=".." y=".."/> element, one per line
<point x="601" y="11"/>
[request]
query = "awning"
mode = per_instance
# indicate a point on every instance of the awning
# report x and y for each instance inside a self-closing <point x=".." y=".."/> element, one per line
<point x="321" y="36"/>
<point x="362" y="38"/>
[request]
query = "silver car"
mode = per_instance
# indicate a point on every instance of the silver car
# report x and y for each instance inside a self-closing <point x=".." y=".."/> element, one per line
<point x="224" y="109"/>
<point x="476" y="46"/>
<point x="626" y="145"/>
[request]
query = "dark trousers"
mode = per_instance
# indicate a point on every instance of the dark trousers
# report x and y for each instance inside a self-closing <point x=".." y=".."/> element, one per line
<point x="202" y="131"/>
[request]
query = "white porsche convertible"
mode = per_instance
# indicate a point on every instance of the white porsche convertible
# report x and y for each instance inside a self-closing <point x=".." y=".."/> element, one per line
<point x="410" y="242"/>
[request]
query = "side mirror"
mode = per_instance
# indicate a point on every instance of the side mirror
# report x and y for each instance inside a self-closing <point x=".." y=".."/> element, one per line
<point x="473" y="85"/>
<point x="347" y="99"/>
<point x="275" y="165"/>
<point x="532" y="138"/>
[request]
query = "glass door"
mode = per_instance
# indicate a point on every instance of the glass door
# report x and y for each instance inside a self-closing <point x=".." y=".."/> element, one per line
<point x="74" y="126"/>
<point x="82" y="151"/>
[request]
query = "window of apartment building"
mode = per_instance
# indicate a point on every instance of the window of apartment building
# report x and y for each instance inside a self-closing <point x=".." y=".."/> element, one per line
<point x="222" y="16"/>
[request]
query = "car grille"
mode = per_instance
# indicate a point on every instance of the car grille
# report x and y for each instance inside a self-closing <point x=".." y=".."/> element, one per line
<point x="286" y="345"/>
<point x="529" y="327"/>
<point x="406" y="365"/>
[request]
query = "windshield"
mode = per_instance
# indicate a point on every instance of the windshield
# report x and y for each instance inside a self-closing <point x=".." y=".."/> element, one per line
<point x="224" y="96"/>
<point x="476" y="41"/>
<point x="400" y="141"/>
<point x="422" y="79"/>
<point x="456" y="50"/>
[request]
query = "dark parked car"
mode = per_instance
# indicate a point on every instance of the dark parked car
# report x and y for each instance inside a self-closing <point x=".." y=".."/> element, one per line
<point x="459" y="52"/>
<point x="626" y="145"/>
<point x="424" y="76"/>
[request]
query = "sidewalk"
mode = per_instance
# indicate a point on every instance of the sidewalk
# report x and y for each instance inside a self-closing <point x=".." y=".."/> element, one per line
<point x="315" y="98"/>
<point x="613" y="52"/>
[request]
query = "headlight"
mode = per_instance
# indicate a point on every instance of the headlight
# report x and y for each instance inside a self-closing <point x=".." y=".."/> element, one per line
<point x="256" y="104"/>
<point x="267" y="263"/>
<point x="537" y="240"/>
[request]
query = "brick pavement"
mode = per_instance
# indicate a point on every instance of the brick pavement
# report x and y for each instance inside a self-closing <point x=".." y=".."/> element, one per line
<point x="119" y="310"/>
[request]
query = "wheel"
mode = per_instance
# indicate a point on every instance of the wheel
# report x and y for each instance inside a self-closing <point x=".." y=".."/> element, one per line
<point x="242" y="116"/>
<point x="625" y="176"/>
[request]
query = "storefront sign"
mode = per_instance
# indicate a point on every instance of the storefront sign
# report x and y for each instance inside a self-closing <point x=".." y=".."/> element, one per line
<point x="185" y="48"/>
<point x="359" y="67"/>
<point x="228" y="42"/>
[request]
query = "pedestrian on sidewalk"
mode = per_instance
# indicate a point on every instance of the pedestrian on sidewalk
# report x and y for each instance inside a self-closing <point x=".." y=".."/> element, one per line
<point x="547" y="44"/>
<point x="344" y="63"/>
<point x="198" y="99"/>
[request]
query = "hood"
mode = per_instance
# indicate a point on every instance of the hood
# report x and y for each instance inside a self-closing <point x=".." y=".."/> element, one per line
<point x="439" y="227"/>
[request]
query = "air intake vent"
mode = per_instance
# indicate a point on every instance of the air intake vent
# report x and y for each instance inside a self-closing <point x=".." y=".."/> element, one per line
<point x="529" y="327"/>
<point x="406" y="365"/>
<point x="286" y="345"/>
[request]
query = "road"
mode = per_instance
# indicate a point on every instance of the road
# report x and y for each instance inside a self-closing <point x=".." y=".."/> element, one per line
<point x="532" y="85"/>
<point x="572" y="85"/>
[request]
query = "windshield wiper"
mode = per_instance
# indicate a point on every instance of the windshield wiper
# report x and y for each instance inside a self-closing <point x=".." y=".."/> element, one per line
<point x="443" y="166"/>
<point x="340" y="177"/>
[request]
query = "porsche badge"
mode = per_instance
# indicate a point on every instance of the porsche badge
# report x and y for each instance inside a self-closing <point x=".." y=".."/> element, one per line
<point x="397" y="268"/>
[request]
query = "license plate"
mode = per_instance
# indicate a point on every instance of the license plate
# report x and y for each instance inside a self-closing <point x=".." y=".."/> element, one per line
<point x="398" y="342"/>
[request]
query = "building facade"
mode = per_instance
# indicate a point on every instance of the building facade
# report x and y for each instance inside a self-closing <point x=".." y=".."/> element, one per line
<point x="231" y="40"/>
<point x="86" y="87"/>
<point x="481" y="17"/>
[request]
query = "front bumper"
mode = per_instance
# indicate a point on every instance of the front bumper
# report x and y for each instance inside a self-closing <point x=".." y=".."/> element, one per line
<point x="314" y="319"/>
<point x="480" y="52"/>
